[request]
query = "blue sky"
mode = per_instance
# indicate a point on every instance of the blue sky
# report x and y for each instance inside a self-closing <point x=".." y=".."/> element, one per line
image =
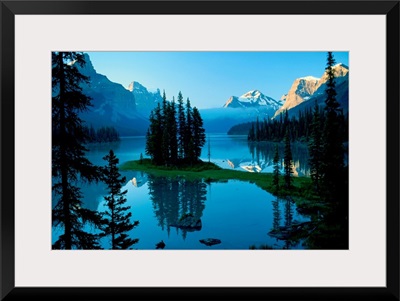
<point x="210" y="78"/>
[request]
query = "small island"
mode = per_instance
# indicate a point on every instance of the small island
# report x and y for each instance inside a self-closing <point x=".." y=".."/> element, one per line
<point x="210" y="172"/>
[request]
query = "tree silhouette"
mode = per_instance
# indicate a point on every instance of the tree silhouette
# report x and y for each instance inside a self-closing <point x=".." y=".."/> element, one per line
<point x="181" y="140"/>
<point x="181" y="127"/>
<point x="198" y="134"/>
<point x="315" y="149"/>
<point x="69" y="164"/>
<point x="332" y="169"/>
<point x="117" y="221"/>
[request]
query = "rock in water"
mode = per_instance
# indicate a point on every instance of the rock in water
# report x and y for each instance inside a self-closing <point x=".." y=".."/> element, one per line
<point x="188" y="222"/>
<point x="210" y="241"/>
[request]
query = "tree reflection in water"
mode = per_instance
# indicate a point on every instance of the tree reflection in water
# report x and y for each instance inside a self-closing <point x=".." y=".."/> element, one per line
<point x="262" y="154"/>
<point x="173" y="197"/>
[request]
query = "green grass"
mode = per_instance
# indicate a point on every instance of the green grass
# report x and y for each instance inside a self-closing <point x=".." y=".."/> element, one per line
<point x="210" y="172"/>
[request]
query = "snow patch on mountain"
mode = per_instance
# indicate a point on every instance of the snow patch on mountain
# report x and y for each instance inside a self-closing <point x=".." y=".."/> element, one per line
<point x="310" y="78"/>
<point x="145" y="100"/>
<point x="253" y="99"/>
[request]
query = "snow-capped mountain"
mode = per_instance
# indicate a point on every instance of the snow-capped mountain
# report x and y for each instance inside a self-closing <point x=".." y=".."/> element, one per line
<point x="113" y="105"/>
<point x="253" y="99"/>
<point x="248" y="107"/>
<point x="306" y="88"/>
<point x="145" y="100"/>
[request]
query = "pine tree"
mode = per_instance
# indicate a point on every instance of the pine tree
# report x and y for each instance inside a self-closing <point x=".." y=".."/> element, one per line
<point x="315" y="149"/>
<point x="151" y="145"/>
<point x="173" y="128"/>
<point x="165" y="128"/>
<point x="277" y="173"/>
<point x="154" y="135"/>
<point x="183" y="137"/>
<point x="288" y="162"/>
<point x="181" y="127"/>
<point x="199" y="136"/>
<point x="286" y="122"/>
<point x="117" y="221"/>
<point x="188" y="137"/>
<point x="332" y="168"/>
<point x="69" y="164"/>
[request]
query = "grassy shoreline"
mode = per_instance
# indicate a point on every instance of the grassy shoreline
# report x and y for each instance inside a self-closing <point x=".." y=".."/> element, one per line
<point x="213" y="173"/>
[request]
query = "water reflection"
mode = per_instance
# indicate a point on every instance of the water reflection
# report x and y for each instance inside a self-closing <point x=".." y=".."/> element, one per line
<point x="287" y="231"/>
<point x="174" y="198"/>
<point x="262" y="155"/>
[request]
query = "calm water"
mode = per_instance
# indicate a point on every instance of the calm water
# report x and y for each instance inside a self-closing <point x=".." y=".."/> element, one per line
<point x="240" y="214"/>
<point x="227" y="151"/>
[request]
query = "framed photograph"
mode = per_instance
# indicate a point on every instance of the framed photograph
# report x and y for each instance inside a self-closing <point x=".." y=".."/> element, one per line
<point x="200" y="149"/>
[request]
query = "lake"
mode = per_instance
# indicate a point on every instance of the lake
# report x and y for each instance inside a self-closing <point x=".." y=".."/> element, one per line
<point x="239" y="214"/>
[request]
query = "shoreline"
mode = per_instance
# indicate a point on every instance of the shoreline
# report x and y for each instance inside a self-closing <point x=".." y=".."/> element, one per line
<point x="210" y="172"/>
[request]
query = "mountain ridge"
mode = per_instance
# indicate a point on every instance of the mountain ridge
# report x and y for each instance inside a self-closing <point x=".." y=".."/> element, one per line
<point x="306" y="88"/>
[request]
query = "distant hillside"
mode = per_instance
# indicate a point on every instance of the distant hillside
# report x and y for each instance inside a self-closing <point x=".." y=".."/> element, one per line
<point x="240" y="129"/>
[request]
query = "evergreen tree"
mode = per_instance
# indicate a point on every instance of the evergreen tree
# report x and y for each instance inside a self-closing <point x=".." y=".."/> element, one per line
<point x="173" y="128"/>
<point x="315" y="148"/>
<point x="277" y="173"/>
<point x="188" y="137"/>
<point x="252" y="135"/>
<point x="69" y="164"/>
<point x="154" y="135"/>
<point x="288" y="162"/>
<point x="183" y="137"/>
<point x="332" y="169"/>
<point x="181" y="127"/>
<point x="286" y="125"/>
<point x="117" y="221"/>
<point x="150" y="147"/>
<point x="166" y="131"/>
<point x="199" y="136"/>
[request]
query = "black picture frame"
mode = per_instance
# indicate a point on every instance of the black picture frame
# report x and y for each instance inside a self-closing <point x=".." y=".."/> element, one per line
<point x="11" y="8"/>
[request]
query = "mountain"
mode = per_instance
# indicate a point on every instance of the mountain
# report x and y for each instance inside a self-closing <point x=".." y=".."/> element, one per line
<point x="145" y="101"/>
<point x="241" y="109"/>
<point x="306" y="88"/>
<point x="253" y="99"/>
<point x="127" y="109"/>
<point x="113" y="105"/>
<point x="301" y="90"/>
<point x="342" y="90"/>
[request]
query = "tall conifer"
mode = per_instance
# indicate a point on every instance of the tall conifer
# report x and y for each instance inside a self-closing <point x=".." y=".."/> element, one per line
<point x="69" y="163"/>
<point x="181" y="127"/>
<point x="315" y="149"/>
<point x="332" y="140"/>
<point x="199" y="136"/>
<point x="117" y="221"/>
